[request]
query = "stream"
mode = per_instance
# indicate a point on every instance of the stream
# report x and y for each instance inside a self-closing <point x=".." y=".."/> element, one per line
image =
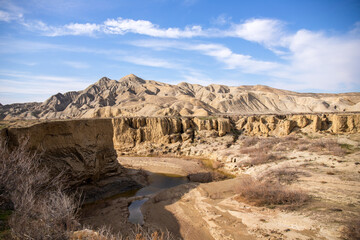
<point x="158" y="182"/>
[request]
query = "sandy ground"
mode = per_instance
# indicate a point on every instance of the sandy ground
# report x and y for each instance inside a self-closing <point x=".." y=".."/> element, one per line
<point x="168" y="165"/>
<point x="213" y="211"/>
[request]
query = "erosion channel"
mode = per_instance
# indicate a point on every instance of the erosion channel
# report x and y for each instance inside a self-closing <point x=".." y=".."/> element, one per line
<point x="116" y="163"/>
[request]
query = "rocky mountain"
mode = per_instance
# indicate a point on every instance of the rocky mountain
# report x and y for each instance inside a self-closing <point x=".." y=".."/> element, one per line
<point x="133" y="96"/>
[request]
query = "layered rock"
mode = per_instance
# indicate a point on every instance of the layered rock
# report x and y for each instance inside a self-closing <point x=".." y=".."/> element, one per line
<point x="87" y="149"/>
<point x="84" y="150"/>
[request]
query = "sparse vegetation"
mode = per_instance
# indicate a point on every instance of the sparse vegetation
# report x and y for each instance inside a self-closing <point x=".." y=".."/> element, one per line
<point x="285" y="174"/>
<point x="139" y="233"/>
<point x="259" y="157"/>
<point x="352" y="230"/>
<point x="250" y="141"/>
<point x="268" y="193"/>
<point x="42" y="209"/>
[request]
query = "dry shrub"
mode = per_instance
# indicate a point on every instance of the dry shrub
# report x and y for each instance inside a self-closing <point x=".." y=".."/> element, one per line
<point x="250" y="141"/>
<point x="328" y="146"/>
<point x="249" y="150"/>
<point x="268" y="193"/>
<point x="303" y="147"/>
<point x="285" y="174"/>
<point x="139" y="233"/>
<point x="352" y="230"/>
<point x="42" y="210"/>
<point x="281" y="147"/>
<point x="259" y="157"/>
<point x="268" y="143"/>
<point x="290" y="138"/>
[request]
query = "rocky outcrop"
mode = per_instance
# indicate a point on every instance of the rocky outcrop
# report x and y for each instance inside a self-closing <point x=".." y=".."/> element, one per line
<point x="281" y="125"/>
<point x="87" y="149"/>
<point x="83" y="150"/>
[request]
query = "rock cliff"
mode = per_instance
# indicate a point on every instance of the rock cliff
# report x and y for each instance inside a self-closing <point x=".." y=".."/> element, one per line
<point x="86" y="150"/>
<point x="89" y="145"/>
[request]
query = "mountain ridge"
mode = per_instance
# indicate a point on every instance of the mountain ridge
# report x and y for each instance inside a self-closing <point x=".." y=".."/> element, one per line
<point x="134" y="96"/>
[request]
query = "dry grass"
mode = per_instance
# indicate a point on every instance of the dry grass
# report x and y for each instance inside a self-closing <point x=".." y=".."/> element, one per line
<point x="42" y="209"/>
<point x="250" y="141"/>
<point x="268" y="193"/>
<point x="259" y="157"/>
<point x="284" y="175"/>
<point x="352" y="230"/>
<point x="325" y="146"/>
<point x="139" y="233"/>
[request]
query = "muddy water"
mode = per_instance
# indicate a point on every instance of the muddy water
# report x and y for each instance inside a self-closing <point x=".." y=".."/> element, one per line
<point x="158" y="182"/>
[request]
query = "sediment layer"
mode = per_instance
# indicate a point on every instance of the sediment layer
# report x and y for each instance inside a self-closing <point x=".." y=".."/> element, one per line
<point x="88" y="148"/>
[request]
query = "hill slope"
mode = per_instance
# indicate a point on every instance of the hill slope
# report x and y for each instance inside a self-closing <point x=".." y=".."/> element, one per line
<point x="133" y="96"/>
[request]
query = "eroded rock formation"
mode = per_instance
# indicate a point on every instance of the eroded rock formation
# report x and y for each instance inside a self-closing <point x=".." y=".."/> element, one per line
<point x="89" y="145"/>
<point x="133" y="96"/>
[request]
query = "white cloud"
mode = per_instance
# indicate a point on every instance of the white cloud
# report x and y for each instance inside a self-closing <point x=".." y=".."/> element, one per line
<point x="10" y="12"/>
<point x="123" y="26"/>
<point x="221" y="20"/>
<point x="69" y="29"/>
<point x="9" y="16"/>
<point x="221" y="53"/>
<point x="318" y="61"/>
<point x="149" y="61"/>
<point x="78" y="65"/>
<point x="306" y="59"/>
<point x="48" y="78"/>
<point x="264" y="31"/>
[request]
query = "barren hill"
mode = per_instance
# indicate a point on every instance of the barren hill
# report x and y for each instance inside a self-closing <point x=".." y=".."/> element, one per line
<point x="133" y="96"/>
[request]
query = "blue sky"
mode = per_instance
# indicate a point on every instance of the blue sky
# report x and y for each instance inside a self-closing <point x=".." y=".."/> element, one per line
<point x="50" y="46"/>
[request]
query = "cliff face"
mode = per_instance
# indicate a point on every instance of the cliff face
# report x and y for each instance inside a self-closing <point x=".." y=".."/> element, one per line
<point x="87" y="149"/>
<point x="83" y="149"/>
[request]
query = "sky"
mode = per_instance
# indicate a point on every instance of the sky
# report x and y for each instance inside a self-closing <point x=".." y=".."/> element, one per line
<point x="51" y="46"/>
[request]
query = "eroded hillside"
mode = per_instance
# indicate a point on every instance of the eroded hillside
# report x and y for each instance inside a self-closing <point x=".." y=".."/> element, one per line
<point x="133" y="96"/>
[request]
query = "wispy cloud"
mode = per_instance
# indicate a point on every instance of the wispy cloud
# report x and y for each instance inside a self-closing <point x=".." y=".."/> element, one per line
<point x="78" y="65"/>
<point x="149" y="61"/>
<point x="9" y="16"/>
<point x="219" y="52"/>
<point x="27" y="83"/>
<point x="313" y="60"/>
<point x="10" y="12"/>
<point x="123" y="26"/>
<point x="302" y="58"/>
<point x="30" y="76"/>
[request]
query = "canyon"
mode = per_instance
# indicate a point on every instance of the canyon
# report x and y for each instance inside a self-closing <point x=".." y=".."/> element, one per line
<point x="112" y="139"/>
<point x="106" y="157"/>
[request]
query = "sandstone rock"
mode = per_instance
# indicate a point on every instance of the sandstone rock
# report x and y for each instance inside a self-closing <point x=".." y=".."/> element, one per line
<point x="224" y="126"/>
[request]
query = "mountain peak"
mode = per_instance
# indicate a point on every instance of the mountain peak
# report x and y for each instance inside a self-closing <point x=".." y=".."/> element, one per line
<point x="133" y="78"/>
<point x="103" y="81"/>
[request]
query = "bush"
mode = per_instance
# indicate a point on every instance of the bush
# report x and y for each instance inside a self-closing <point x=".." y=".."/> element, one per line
<point x="268" y="193"/>
<point x="352" y="230"/>
<point x="284" y="175"/>
<point x="262" y="158"/>
<point x="42" y="209"/>
<point x="250" y="141"/>
<point x="139" y="233"/>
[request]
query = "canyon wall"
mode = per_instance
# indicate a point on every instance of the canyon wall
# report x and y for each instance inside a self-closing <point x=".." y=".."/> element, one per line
<point x="87" y="149"/>
<point x="84" y="150"/>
